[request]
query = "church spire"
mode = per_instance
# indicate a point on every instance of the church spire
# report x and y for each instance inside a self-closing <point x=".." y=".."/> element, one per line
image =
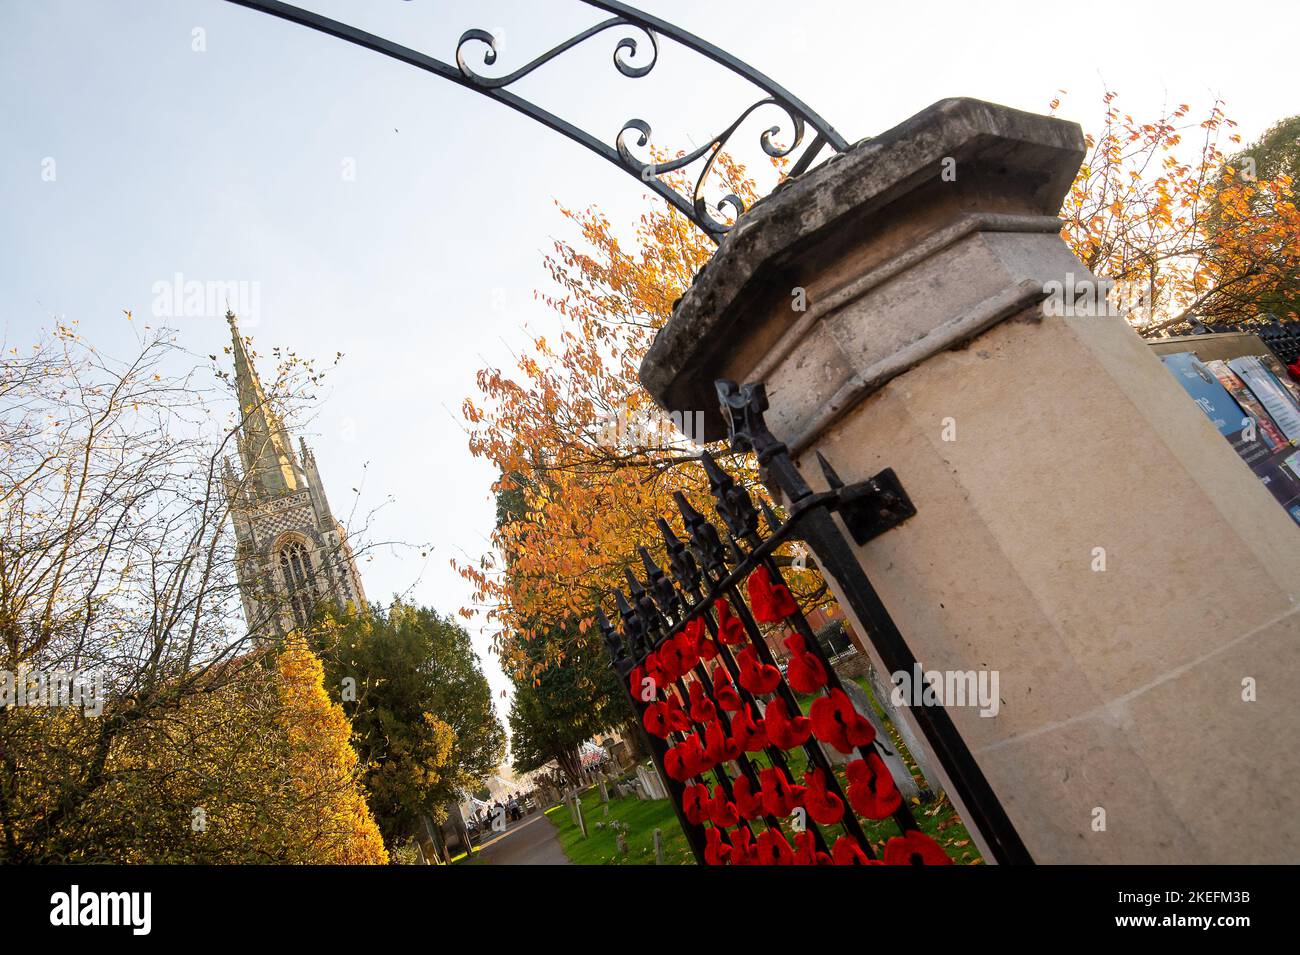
<point x="264" y="446"/>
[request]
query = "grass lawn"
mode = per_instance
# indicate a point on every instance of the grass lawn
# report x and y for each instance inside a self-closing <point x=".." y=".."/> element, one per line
<point x="642" y="816"/>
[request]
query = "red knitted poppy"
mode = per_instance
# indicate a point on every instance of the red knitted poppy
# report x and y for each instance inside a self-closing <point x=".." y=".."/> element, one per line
<point x="724" y="691"/>
<point x="748" y="803"/>
<point x="770" y="602"/>
<point x="914" y="848"/>
<point x="837" y="723"/>
<point x="731" y="629"/>
<point x="872" y="792"/>
<point x="824" y="807"/>
<point x="784" y="731"/>
<point x="749" y="734"/>
<point x="804" y="671"/>
<point x="702" y="708"/>
<point x="846" y="851"/>
<point x="716" y="850"/>
<point x="758" y="678"/>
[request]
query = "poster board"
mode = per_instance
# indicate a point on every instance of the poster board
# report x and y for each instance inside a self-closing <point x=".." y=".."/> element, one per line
<point x="1244" y="390"/>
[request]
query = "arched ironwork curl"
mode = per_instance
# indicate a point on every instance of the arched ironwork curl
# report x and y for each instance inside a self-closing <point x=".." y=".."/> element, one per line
<point x="709" y="217"/>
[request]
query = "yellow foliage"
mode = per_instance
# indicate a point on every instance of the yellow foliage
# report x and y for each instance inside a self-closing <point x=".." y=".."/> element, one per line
<point x="323" y="765"/>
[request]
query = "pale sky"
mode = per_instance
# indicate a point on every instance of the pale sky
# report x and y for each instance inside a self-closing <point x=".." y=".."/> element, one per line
<point x="228" y="164"/>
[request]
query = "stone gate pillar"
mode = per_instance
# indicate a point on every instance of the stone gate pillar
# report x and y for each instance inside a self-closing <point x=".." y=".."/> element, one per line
<point x="1081" y="528"/>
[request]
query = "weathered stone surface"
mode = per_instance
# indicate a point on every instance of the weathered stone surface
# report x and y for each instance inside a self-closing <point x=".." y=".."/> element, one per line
<point x="1008" y="164"/>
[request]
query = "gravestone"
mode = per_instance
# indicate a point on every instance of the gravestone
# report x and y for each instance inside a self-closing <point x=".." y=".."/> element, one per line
<point x="883" y="690"/>
<point x="659" y="847"/>
<point x="651" y="784"/>
<point x="903" y="779"/>
<point x="581" y="820"/>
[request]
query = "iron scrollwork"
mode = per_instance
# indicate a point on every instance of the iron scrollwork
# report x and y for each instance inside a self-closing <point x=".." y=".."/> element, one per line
<point x="711" y="218"/>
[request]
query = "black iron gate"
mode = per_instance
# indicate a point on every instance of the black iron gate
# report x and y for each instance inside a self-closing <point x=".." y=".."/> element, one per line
<point x="691" y="654"/>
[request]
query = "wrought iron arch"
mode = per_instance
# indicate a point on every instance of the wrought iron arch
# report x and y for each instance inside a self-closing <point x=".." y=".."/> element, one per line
<point x="651" y="28"/>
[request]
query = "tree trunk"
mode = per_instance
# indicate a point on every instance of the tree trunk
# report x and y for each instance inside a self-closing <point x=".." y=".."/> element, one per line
<point x="571" y="765"/>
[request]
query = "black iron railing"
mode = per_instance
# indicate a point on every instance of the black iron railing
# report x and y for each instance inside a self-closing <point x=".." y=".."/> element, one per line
<point x="691" y="652"/>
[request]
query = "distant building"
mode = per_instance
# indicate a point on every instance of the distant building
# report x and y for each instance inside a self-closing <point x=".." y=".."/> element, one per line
<point x="291" y="553"/>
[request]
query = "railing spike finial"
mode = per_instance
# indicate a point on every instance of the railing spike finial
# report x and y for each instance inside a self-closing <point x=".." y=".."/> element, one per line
<point x="665" y="530"/>
<point x="743" y="407"/>
<point x="635" y="588"/>
<point x="617" y="652"/>
<point x="688" y="512"/>
<point x="769" y="515"/>
<point x="651" y="568"/>
<point x="624" y="608"/>
<point x="718" y="478"/>
<point x="734" y="503"/>
<point x="833" y="479"/>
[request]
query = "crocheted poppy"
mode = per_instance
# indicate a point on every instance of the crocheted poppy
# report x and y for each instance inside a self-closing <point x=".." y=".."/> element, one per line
<point x="731" y="629"/>
<point x="804" y="671"/>
<point x="914" y="848"/>
<point x="698" y="632"/>
<point x="717" y="851"/>
<point x="695" y="803"/>
<point x="686" y="759"/>
<point x="748" y="803"/>
<point x="770" y="602"/>
<point x="805" y="850"/>
<point x="677" y="656"/>
<point x="823" y="806"/>
<point x="702" y="709"/>
<point x="720" y="810"/>
<point x="724" y="691"/>
<point x="718" y="746"/>
<point x="743" y="850"/>
<point x="872" y="792"/>
<point x="678" y="719"/>
<point x="846" y="851"/>
<point x="747" y="733"/>
<point x="779" y="796"/>
<point x="655" y="720"/>
<point x="659" y="681"/>
<point x="634" y="681"/>
<point x="758" y="678"/>
<point x="772" y="849"/>
<point x="836" y="723"/>
<point x="784" y="731"/>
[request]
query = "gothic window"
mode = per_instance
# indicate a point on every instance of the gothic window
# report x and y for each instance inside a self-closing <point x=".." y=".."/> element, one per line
<point x="299" y="581"/>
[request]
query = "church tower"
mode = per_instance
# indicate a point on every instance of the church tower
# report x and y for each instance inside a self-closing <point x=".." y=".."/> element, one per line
<point x="291" y="554"/>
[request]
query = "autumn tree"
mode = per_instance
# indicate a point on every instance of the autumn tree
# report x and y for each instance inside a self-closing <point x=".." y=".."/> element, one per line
<point x="1182" y="230"/>
<point x="117" y="565"/>
<point x="586" y="457"/>
<point x="420" y="707"/>
<point x="559" y="706"/>
<point x="331" y="820"/>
